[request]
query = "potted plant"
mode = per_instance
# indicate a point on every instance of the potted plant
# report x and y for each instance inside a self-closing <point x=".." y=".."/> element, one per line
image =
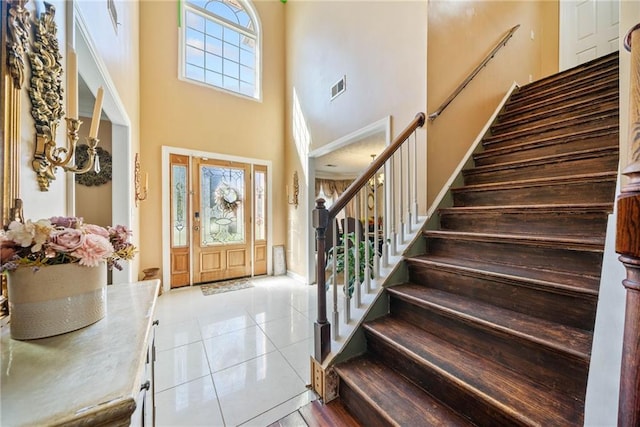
<point x="348" y="266"/>
<point x="56" y="272"/>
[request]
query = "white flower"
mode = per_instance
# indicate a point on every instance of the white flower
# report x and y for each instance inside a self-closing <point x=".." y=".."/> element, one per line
<point x="30" y="233"/>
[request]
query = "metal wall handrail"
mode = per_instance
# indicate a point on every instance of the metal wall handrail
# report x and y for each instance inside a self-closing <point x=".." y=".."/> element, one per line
<point x="474" y="73"/>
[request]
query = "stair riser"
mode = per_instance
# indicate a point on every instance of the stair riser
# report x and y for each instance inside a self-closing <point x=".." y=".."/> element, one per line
<point x="545" y="258"/>
<point x="360" y="407"/>
<point x="554" y="370"/>
<point x="556" y="130"/>
<point x="545" y="170"/>
<point x="560" y="224"/>
<point x="520" y="103"/>
<point x="578" y="312"/>
<point x="565" y="193"/>
<point x="547" y="148"/>
<point x="478" y="409"/>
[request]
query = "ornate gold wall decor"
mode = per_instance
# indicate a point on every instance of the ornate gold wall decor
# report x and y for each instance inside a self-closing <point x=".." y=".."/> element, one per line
<point x="141" y="192"/>
<point x="296" y="191"/>
<point x="47" y="107"/>
<point x="45" y="92"/>
<point x="17" y="38"/>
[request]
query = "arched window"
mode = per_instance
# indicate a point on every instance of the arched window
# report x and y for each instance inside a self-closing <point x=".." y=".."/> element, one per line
<point x="221" y="45"/>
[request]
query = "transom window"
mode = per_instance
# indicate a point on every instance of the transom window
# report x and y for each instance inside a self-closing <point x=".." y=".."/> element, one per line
<point x="221" y="45"/>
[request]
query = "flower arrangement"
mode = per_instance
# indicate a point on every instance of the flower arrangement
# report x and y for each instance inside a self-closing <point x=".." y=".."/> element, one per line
<point x="227" y="198"/>
<point x="63" y="240"/>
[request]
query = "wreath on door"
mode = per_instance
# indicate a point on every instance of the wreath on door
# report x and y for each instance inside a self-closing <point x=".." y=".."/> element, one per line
<point x="92" y="178"/>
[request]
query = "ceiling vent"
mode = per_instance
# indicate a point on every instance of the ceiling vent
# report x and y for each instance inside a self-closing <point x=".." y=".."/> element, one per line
<point x="339" y="87"/>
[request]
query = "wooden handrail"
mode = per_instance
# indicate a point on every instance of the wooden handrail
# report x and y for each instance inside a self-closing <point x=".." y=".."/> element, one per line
<point x="474" y="73"/>
<point x="321" y="218"/>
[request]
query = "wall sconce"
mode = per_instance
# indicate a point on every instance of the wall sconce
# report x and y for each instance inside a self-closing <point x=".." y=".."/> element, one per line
<point x="141" y="193"/>
<point x="296" y="191"/>
<point x="47" y="107"/>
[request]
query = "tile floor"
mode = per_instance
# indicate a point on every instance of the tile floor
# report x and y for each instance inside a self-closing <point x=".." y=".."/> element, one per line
<point x="236" y="358"/>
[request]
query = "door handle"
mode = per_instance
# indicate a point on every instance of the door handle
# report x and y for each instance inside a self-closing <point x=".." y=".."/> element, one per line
<point x="196" y="227"/>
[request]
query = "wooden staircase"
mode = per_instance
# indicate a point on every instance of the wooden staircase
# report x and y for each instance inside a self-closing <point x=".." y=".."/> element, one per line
<point x="495" y="324"/>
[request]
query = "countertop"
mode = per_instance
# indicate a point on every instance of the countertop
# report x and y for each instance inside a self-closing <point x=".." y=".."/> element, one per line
<point x="81" y="377"/>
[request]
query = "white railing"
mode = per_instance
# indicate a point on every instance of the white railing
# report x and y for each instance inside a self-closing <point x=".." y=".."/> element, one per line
<point x="354" y="253"/>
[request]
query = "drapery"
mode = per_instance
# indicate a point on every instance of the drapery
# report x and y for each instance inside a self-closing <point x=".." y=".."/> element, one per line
<point x="333" y="189"/>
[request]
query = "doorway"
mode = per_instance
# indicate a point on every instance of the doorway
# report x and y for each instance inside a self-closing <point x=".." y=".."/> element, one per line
<point x="589" y="29"/>
<point x="93" y="74"/>
<point x="345" y="157"/>
<point x="218" y="224"/>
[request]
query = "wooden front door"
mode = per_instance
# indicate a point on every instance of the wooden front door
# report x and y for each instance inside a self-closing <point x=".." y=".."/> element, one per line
<point x="221" y="220"/>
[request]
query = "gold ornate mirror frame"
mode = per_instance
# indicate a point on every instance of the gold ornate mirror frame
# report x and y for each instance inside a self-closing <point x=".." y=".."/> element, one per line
<point x="15" y="39"/>
<point x="15" y="29"/>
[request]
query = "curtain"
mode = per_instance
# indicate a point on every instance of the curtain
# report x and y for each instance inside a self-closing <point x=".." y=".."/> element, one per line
<point x="333" y="189"/>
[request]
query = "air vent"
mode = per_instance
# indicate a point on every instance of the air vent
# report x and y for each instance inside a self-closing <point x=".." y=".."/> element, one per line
<point x="339" y="87"/>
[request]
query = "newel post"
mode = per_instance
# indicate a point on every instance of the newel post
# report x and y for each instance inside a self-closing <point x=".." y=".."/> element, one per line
<point x="322" y="328"/>
<point x="628" y="246"/>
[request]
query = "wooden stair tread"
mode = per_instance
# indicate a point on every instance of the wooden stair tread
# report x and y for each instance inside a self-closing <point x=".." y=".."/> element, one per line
<point x="553" y="96"/>
<point x="584" y="72"/>
<point x="577" y="120"/>
<point x="555" y="281"/>
<point x="599" y="131"/>
<point x="566" y="102"/>
<point x="541" y="208"/>
<point x="581" y="243"/>
<point x="334" y="413"/>
<point x="545" y="160"/>
<point x="397" y="399"/>
<point x="599" y="176"/>
<point x="493" y="383"/>
<point x="561" y="338"/>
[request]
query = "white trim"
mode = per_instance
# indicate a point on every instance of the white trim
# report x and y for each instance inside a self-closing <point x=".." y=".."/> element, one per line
<point x="166" y="208"/>
<point x="95" y="73"/>
<point x="382" y="125"/>
<point x="564" y="35"/>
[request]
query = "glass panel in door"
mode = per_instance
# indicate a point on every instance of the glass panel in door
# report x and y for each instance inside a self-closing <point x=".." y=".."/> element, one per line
<point x="180" y="263"/>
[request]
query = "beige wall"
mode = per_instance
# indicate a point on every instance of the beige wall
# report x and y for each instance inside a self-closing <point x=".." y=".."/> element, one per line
<point x="180" y="114"/>
<point x="461" y="33"/>
<point x="381" y="48"/>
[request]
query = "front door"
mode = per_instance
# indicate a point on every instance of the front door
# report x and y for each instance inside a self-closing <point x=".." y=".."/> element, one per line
<point x="221" y="220"/>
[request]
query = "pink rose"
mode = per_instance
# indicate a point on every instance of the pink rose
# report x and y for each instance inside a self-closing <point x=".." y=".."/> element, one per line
<point x="94" y="250"/>
<point x="65" y="222"/>
<point x="96" y="229"/>
<point x="66" y="240"/>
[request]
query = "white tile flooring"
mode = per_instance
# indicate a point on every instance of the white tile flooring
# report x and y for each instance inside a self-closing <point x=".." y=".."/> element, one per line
<point x="236" y="358"/>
